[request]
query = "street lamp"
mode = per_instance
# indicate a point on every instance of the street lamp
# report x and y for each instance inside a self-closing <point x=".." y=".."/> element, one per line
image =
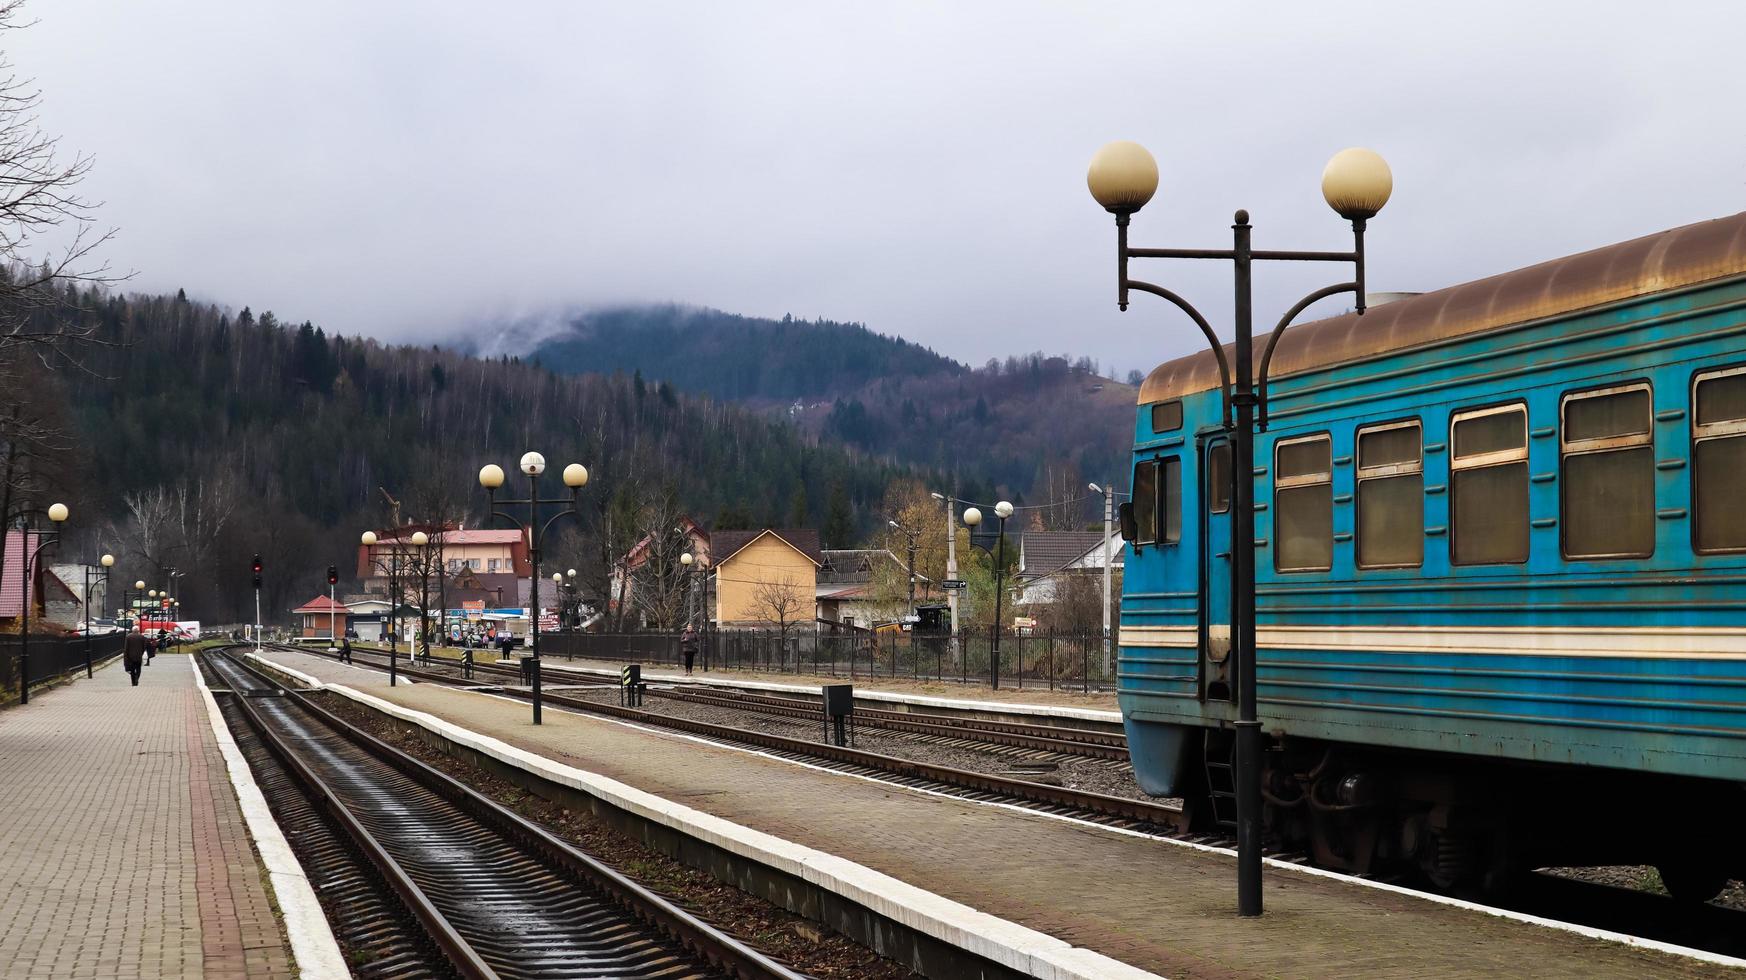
<point x="533" y="464"/>
<point x="421" y="540"/>
<point x="973" y="518"/>
<point x="57" y="515"/>
<point x="107" y="562"/>
<point x="686" y="560"/>
<point x="392" y="567"/>
<point x="1356" y="183"/>
<point x="134" y="599"/>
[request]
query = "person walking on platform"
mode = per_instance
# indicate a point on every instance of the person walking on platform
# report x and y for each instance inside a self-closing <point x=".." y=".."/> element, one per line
<point x="688" y="647"/>
<point x="345" y="650"/>
<point x="133" y="650"/>
<point x="151" y="650"/>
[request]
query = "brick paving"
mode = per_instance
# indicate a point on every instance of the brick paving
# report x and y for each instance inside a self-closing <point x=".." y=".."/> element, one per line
<point x="1154" y="905"/>
<point x="123" y="852"/>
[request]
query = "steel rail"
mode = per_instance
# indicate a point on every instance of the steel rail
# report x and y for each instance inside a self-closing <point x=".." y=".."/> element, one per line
<point x="460" y="953"/>
<point x="1050" y="738"/>
<point x="700" y="938"/>
<point x="1100" y="805"/>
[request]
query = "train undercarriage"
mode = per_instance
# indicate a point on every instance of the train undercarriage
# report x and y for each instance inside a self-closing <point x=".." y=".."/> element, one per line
<point x="1472" y="827"/>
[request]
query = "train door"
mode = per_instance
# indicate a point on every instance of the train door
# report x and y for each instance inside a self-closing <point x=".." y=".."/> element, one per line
<point x="1215" y="576"/>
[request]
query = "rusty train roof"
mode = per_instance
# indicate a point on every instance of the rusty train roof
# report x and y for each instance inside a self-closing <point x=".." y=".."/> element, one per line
<point x="1666" y="260"/>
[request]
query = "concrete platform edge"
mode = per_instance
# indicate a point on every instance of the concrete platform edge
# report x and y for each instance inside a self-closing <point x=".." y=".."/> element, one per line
<point x="1006" y="943"/>
<point x="306" y="927"/>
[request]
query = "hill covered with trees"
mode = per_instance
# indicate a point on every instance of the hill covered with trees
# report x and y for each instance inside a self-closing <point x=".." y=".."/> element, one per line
<point x="186" y="436"/>
<point x="1024" y="424"/>
<point x="731" y="356"/>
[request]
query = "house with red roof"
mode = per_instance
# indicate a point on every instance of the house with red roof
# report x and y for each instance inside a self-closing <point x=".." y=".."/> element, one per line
<point x="322" y="617"/>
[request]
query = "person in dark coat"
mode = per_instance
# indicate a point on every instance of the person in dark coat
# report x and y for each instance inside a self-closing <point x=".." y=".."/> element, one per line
<point x="688" y="647"/>
<point x="151" y="650"/>
<point x="133" y="653"/>
<point x="345" y="650"/>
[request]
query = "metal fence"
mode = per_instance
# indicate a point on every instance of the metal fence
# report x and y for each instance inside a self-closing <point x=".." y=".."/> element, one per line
<point x="1064" y="661"/>
<point x="50" y="657"/>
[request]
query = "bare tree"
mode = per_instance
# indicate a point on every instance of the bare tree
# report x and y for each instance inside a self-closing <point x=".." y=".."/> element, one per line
<point x="34" y="447"/>
<point x="659" y="591"/>
<point x="782" y="604"/>
<point x="38" y="195"/>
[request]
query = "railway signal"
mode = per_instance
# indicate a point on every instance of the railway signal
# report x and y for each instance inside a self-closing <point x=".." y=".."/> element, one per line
<point x="332" y="606"/>
<point x="257" y="571"/>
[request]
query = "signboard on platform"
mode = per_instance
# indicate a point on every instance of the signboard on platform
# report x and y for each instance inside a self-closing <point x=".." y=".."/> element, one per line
<point x="953" y="584"/>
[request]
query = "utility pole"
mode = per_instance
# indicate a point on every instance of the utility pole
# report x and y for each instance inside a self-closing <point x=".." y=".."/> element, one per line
<point x="1108" y="517"/>
<point x="951" y="566"/>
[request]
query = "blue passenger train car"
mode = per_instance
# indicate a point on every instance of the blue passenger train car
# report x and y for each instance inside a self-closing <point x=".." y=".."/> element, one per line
<point x="1501" y="573"/>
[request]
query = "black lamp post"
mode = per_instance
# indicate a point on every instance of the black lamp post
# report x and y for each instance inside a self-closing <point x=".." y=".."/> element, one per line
<point x="392" y="567"/>
<point x="1356" y="184"/>
<point x="533" y="464"/>
<point x="108" y="562"/>
<point x="421" y="541"/>
<point x="692" y="567"/>
<point x="133" y="597"/>
<point x="972" y="519"/>
<point x="57" y="515"/>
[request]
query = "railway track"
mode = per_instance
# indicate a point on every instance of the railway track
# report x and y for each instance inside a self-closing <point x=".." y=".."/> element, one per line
<point x="1605" y="907"/>
<point x="431" y="877"/>
<point x="1061" y="740"/>
<point x="1057" y="739"/>
<point x="1097" y="808"/>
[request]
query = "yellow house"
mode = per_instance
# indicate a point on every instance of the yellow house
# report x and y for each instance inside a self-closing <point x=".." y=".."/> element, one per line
<point x="764" y="578"/>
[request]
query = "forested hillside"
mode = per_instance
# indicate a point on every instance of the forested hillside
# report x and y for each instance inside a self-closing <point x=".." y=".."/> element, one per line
<point x="204" y="437"/>
<point x="738" y="357"/>
<point x="1024" y="424"/>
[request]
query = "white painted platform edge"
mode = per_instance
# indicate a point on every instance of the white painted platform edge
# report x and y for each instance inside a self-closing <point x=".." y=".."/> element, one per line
<point x="962" y="704"/>
<point x="1009" y="944"/>
<point x="306" y="927"/>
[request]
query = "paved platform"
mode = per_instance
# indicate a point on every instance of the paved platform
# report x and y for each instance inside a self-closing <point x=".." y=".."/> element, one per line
<point x="123" y="851"/>
<point x="1158" y="906"/>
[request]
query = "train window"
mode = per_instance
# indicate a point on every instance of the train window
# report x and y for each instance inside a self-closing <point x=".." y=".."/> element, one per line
<point x="1391" y="496"/>
<point x="1488" y="486"/>
<point x="1218" y="478"/>
<point x="1718" y="460"/>
<point x="1609" y="474"/>
<point x="1170" y="499"/>
<point x="1167" y="416"/>
<point x="1146" y="502"/>
<point x="1303" y="505"/>
<point x="1158" y="501"/>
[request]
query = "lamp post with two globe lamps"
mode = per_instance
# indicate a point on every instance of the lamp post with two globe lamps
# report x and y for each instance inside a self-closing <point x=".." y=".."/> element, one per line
<point x="973" y="519"/>
<point x="1356" y="183"/>
<point x="532" y="465"/>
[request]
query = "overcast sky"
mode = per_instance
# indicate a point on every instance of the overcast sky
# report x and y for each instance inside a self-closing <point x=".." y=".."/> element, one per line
<point x="401" y="169"/>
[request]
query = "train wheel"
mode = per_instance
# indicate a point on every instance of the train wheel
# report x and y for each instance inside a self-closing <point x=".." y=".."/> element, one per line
<point x="1692" y="880"/>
